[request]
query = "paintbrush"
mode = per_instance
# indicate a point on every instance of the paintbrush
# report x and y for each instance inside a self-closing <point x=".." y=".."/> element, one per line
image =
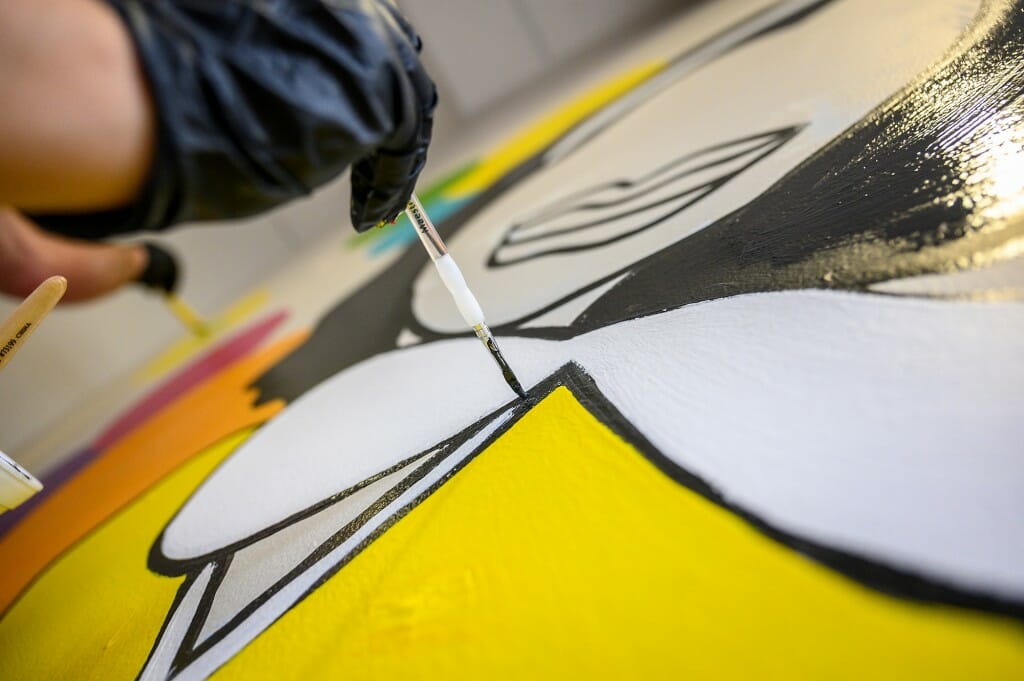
<point x="456" y="284"/>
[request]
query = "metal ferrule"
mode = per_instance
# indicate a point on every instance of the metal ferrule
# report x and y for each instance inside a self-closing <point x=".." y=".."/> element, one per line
<point x="482" y="332"/>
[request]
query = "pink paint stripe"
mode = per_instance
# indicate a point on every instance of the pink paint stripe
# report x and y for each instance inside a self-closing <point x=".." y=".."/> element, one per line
<point x="212" y="363"/>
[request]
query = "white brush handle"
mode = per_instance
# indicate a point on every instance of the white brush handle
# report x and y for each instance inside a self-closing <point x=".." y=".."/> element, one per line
<point x="453" y="280"/>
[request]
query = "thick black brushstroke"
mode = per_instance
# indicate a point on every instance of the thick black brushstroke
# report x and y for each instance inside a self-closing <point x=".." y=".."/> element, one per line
<point x="893" y="183"/>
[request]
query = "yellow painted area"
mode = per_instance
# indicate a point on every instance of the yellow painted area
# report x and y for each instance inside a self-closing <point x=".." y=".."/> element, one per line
<point x="561" y="553"/>
<point x="95" y="613"/>
<point x="189" y="346"/>
<point x="545" y="131"/>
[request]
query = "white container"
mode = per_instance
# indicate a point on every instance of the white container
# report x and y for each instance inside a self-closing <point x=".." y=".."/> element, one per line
<point x="16" y="484"/>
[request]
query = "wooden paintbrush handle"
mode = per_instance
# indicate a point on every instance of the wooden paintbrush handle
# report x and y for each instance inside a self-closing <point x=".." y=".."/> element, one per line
<point x="23" y="321"/>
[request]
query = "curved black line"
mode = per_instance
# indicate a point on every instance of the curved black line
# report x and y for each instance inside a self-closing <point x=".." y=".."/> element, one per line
<point x="694" y="196"/>
<point x="770" y="138"/>
<point x="171" y="567"/>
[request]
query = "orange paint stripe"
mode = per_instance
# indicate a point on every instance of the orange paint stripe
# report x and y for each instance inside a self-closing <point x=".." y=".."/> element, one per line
<point x="199" y="418"/>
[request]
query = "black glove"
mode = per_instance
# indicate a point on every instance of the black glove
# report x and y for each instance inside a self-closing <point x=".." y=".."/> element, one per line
<point x="260" y="101"/>
<point x="161" y="273"/>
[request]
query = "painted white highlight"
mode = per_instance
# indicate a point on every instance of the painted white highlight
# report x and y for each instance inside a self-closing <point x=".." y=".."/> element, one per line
<point x="280" y="602"/>
<point x="159" y="664"/>
<point x="456" y="284"/>
<point x="563" y="315"/>
<point x="888" y="427"/>
<point x="257" y="567"/>
<point x="828" y="71"/>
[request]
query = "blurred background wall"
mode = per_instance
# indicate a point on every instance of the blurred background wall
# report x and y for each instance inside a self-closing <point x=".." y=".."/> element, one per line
<point x="498" y="65"/>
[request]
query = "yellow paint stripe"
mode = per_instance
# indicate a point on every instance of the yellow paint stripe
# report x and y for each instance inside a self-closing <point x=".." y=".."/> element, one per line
<point x="541" y="134"/>
<point x="190" y="346"/>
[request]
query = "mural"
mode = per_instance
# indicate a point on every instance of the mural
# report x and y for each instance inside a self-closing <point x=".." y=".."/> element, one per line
<point x="766" y="300"/>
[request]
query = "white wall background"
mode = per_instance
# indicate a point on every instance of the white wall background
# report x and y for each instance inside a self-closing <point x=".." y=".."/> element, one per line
<point x="483" y="52"/>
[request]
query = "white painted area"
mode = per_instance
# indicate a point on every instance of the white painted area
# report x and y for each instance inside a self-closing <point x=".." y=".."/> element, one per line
<point x="564" y="315"/>
<point x="162" y="656"/>
<point x="888" y="427"/>
<point x="827" y="71"/>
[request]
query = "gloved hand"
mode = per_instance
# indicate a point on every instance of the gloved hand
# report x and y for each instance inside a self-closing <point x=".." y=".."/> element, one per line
<point x="261" y="101"/>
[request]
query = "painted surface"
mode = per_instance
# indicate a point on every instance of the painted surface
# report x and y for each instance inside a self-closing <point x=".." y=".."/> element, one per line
<point x="772" y="348"/>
